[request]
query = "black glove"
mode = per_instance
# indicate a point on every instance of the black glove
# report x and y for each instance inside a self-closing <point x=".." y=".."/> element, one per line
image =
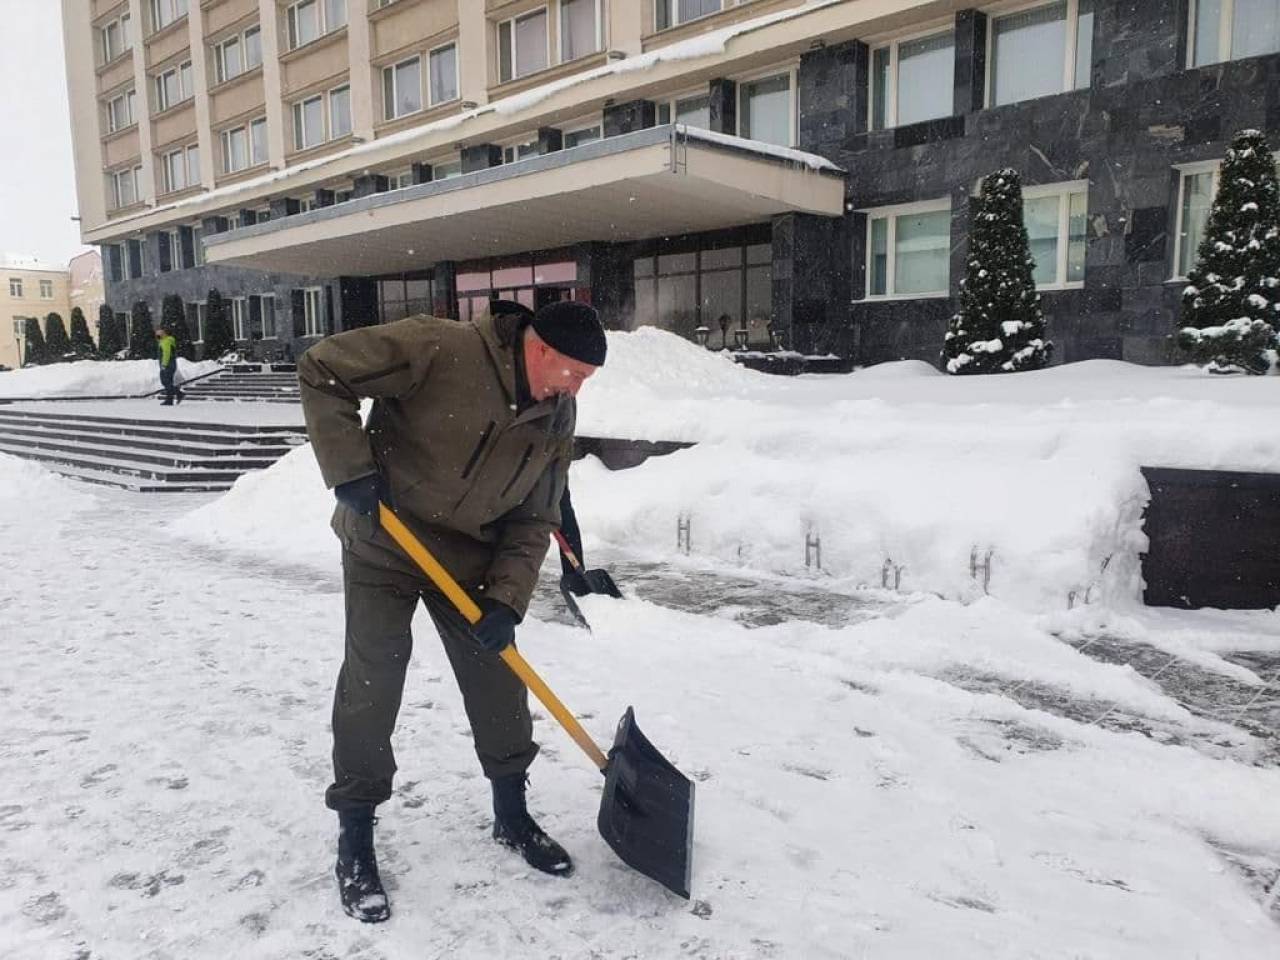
<point x="361" y="495"/>
<point x="496" y="630"/>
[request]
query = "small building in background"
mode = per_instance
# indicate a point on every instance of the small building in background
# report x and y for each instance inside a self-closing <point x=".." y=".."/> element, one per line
<point x="30" y="288"/>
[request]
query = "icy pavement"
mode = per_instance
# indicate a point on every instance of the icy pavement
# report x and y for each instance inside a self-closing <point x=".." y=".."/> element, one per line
<point x="878" y="776"/>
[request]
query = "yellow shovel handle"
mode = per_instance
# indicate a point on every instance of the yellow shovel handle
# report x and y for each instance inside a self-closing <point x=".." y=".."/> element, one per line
<point x="467" y="607"/>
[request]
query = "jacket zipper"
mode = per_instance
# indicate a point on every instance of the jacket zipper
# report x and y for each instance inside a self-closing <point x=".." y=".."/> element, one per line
<point x="524" y="462"/>
<point x="475" y="454"/>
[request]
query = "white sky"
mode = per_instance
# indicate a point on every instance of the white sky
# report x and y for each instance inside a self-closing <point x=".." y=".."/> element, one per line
<point x="37" y="177"/>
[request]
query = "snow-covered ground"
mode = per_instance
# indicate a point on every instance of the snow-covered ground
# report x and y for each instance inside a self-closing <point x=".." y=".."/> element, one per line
<point x="92" y="378"/>
<point x="880" y="774"/>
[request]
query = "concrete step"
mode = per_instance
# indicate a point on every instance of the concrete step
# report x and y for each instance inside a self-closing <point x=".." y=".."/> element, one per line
<point x="133" y="455"/>
<point x="84" y="461"/>
<point x="107" y="478"/>
<point x="236" y="398"/>
<point x="222" y="447"/>
<point x="167" y="427"/>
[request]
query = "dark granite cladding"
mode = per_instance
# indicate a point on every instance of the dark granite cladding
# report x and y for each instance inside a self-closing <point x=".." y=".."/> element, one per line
<point x="195" y="283"/>
<point x="833" y="95"/>
<point x="971" y="61"/>
<point x="723" y="109"/>
<point x="369" y="184"/>
<point x="629" y="117"/>
<point x="550" y="139"/>
<point x="810" y="287"/>
<point x="481" y="156"/>
<point x="1142" y="115"/>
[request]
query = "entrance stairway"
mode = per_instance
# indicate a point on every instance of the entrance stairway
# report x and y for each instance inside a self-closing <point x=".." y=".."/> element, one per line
<point x="145" y="455"/>
<point x="276" y="384"/>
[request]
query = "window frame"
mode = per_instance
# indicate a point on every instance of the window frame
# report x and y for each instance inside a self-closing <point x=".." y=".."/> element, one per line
<point x="390" y="70"/>
<point x="135" y="173"/>
<point x="185" y="88"/>
<point x="892" y="213"/>
<point x="598" y="6"/>
<point x="1186" y="170"/>
<point x="1064" y="192"/>
<point x="330" y="130"/>
<point x="275" y="316"/>
<point x="1226" y="35"/>
<point x="672" y="104"/>
<point x="15" y="292"/>
<point x="127" y="98"/>
<point x="891" y="98"/>
<point x="510" y="23"/>
<point x="241" y="38"/>
<point x="583" y="127"/>
<point x="1070" y="50"/>
<point x="427" y="75"/>
<point x="455" y="161"/>
<point x="674" y="15"/>
<point x="123" y="25"/>
<point x="313" y="319"/>
<point x="177" y="9"/>
<point x="298" y="113"/>
<point x="323" y="27"/>
<point x="167" y="163"/>
<point x="792" y="72"/>
<point x="224" y="139"/>
<point x="46" y="285"/>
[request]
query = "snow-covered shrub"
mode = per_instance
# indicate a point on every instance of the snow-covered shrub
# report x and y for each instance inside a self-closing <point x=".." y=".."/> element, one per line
<point x="999" y="327"/>
<point x="1231" y="305"/>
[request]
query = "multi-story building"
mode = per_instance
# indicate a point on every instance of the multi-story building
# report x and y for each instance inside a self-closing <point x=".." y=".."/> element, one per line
<point x="28" y="288"/>
<point x="759" y="171"/>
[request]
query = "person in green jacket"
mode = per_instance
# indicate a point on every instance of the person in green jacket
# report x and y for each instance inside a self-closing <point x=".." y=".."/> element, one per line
<point x="168" y="354"/>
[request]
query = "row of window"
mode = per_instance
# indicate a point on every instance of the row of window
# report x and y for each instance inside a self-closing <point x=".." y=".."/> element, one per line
<point x="908" y="247"/>
<point x="309" y="20"/>
<point x="16" y="287"/>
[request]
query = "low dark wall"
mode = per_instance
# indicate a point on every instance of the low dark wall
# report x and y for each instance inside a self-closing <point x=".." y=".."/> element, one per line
<point x="1215" y="539"/>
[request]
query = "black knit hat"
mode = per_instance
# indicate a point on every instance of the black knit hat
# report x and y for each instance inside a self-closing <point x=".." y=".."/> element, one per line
<point x="511" y="308"/>
<point x="573" y="329"/>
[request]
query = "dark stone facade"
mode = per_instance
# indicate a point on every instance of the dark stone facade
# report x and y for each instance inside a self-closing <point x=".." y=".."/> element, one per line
<point x="194" y="284"/>
<point x="1143" y="114"/>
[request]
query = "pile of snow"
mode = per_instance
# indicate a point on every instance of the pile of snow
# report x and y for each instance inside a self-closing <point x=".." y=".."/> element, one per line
<point x="903" y="474"/>
<point x="93" y="378"/>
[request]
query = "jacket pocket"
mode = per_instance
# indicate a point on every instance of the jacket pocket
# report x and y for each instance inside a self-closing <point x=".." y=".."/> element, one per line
<point x="475" y="454"/>
<point x="524" y="462"/>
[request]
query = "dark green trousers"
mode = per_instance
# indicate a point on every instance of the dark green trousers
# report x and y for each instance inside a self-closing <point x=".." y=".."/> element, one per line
<point x="382" y="593"/>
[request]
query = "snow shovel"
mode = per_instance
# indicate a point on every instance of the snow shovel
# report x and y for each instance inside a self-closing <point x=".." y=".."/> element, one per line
<point x="646" y="810"/>
<point x="597" y="581"/>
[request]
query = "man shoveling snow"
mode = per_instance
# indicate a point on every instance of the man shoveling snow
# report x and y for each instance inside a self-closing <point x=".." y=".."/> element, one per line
<point x="470" y="440"/>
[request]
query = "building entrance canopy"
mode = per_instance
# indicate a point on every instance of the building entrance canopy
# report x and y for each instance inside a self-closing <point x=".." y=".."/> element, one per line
<point x="661" y="181"/>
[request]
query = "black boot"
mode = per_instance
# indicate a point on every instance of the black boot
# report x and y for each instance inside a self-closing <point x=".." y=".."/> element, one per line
<point x="357" y="871"/>
<point x="514" y="828"/>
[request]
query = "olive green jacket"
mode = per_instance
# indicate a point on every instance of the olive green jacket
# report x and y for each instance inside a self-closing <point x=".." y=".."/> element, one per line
<point x="482" y="481"/>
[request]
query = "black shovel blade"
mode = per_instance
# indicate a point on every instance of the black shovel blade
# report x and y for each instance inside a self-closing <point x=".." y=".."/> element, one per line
<point x="599" y="581"/>
<point x="646" y="813"/>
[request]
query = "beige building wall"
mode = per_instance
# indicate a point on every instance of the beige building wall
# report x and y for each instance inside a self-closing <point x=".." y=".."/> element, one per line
<point x="86" y="289"/>
<point x="373" y="38"/>
<point x="29" y="290"/>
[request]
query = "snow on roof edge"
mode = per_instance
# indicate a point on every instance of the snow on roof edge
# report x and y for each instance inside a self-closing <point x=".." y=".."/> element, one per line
<point x="694" y="48"/>
<point x="811" y="160"/>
